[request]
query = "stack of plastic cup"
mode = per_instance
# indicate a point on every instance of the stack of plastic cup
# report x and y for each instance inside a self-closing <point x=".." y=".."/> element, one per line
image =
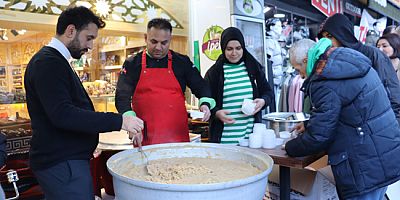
<point x="256" y="138"/>
<point x="269" y="139"/>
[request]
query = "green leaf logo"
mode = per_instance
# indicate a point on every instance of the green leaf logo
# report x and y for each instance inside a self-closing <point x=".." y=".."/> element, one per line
<point x="211" y="42"/>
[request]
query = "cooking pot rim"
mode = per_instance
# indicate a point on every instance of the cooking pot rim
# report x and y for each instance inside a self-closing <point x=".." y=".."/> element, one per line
<point x="193" y="187"/>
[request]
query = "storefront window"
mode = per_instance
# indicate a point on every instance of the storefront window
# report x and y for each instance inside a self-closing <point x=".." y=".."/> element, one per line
<point x="98" y="69"/>
<point x="283" y="28"/>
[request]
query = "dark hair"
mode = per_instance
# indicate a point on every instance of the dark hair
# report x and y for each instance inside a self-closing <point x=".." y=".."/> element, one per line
<point x="394" y="41"/>
<point x="80" y="17"/>
<point x="389" y="29"/>
<point x="159" y="23"/>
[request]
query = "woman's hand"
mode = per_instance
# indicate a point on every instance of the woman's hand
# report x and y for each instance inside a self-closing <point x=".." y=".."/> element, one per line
<point x="259" y="104"/>
<point x="299" y="128"/>
<point x="223" y="116"/>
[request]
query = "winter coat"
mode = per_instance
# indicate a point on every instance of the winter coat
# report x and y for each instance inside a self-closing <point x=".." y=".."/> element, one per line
<point x="340" y="27"/>
<point x="215" y="79"/>
<point x="352" y="120"/>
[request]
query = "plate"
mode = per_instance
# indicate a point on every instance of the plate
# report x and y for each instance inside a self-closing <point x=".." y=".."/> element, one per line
<point x="286" y="117"/>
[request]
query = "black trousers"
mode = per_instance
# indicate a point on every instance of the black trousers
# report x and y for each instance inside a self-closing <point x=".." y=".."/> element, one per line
<point x="68" y="180"/>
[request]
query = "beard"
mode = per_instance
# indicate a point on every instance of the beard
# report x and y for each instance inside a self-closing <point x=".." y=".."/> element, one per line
<point x="75" y="49"/>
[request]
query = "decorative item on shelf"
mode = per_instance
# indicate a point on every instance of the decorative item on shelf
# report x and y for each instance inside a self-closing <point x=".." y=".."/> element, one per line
<point x="99" y="87"/>
<point x="134" y="50"/>
<point x="6" y="97"/>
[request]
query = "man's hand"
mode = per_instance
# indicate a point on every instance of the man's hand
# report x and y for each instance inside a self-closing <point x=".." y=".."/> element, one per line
<point x="96" y="153"/>
<point x="132" y="124"/>
<point x="223" y="116"/>
<point x="259" y="104"/>
<point x="206" y="111"/>
<point x="137" y="139"/>
<point x="299" y="128"/>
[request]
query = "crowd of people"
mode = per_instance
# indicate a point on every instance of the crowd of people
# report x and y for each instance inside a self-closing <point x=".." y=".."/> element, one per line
<point x="353" y="90"/>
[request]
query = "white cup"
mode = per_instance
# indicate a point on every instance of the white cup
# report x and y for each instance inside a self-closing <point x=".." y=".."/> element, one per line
<point x="196" y="114"/>
<point x="259" y="127"/>
<point x="244" y="142"/>
<point x="284" y="134"/>
<point x="248" y="107"/>
<point x="279" y="141"/>
<point x="269" y="139"/>
<point x="255" y="140"/>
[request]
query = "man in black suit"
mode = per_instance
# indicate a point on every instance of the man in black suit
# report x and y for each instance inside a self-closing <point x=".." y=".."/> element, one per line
<point x="65" y="126"/>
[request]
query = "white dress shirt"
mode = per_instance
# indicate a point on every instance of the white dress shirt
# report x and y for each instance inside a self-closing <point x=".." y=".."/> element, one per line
<point x="60" y="47"/>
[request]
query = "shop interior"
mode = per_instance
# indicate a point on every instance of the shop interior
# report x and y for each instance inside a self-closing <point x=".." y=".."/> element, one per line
<point x="98" y="70"/>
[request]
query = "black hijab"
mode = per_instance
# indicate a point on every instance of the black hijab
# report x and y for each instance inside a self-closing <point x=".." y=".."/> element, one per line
<point x="233" y="33"/>
<point x="229" y="34"/>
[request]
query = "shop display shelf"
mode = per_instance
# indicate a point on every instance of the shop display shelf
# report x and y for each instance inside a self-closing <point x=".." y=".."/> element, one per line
<point x="112" y="67"/>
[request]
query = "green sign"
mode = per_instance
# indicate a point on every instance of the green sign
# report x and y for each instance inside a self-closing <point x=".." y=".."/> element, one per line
<point x="196" y="55"/>
<point x="211" y="42"/>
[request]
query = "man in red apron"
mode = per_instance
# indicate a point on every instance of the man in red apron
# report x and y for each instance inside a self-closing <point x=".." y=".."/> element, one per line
<point x="152" y="85"/>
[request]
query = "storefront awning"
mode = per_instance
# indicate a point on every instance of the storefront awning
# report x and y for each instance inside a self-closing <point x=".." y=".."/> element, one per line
<point x="385" y="8"/>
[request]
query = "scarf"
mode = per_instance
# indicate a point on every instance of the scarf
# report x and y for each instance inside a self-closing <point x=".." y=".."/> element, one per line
<point x="315" y="52"/>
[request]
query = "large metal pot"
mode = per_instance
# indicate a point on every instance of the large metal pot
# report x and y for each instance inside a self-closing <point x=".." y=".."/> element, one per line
<point x="250" y="188"/>
<point x="284" y="121"/>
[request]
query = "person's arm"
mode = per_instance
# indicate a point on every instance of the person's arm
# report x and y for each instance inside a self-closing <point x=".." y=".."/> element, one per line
<point x="321" y="127"/>
<point x="212" y="85"/>
<point x="387" y="74"/>
<point x="51" y="82"/>
<point x="127" y="81"/>
<point x="3" y="153"/>
<point x="264" y="88"/>
<point x="198" y="85"/>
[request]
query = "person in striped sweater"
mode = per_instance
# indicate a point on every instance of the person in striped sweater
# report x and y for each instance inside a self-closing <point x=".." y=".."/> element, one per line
<point x="235" y="76"/>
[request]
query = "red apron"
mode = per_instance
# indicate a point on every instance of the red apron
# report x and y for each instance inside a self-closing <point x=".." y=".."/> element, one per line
<point x="158" y="100"/>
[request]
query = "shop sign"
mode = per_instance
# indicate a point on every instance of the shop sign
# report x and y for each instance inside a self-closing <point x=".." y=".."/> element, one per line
<point x="251" y="8"/>
<point x="395" y="2"/>
<point x="367" y="23"/>
<point x="328" y="7"/>
<point x="352" y="9"/>
<point x="211" y="42"/>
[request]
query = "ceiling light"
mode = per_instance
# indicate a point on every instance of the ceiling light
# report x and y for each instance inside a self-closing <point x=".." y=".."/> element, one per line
<point x="22" y="31"/>
<point x="279" y="15"/>
<point x="266" y="9"/>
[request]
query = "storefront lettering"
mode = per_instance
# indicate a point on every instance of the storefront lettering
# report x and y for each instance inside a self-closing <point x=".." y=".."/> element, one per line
<point x="213" y="45"/>
<point x="353" y="9"/>
<point x="363" y="34"/>
<point x="328" y="7"/>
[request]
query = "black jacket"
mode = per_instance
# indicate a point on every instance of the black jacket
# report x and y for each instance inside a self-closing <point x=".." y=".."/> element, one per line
<point x="64" y="124"/>
<point x="353" y="121"/>
<point x="3" y="148"/>
<point x="184" y="71"/>
<point x="340" y="27"/>
<point x="215" y="78"/>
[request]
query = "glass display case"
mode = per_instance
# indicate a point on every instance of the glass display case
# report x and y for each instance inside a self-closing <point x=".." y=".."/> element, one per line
<point x="104" y="103"/>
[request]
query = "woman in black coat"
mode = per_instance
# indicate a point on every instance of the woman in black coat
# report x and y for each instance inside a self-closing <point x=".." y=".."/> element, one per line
<point x="237" y="60"/>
